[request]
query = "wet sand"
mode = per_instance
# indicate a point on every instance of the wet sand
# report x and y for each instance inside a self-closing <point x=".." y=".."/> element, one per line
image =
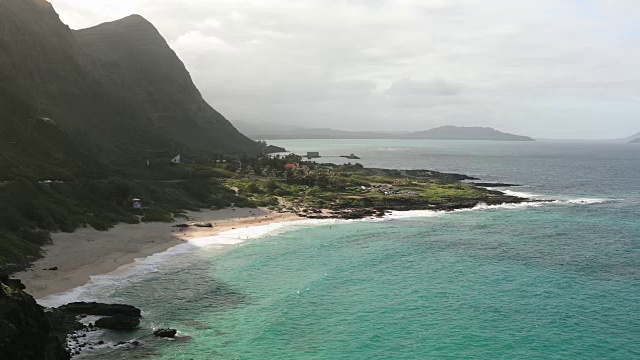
<point x="88" y="252"/>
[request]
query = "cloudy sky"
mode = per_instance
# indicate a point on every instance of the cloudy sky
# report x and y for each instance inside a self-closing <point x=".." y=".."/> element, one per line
<point x="544" y="68"/>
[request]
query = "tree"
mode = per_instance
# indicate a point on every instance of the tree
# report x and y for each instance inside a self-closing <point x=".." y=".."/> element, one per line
<point x="271" y="185"/>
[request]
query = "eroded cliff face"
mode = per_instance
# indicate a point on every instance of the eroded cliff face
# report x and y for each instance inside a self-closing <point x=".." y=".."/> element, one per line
<point x="24" y="329"/>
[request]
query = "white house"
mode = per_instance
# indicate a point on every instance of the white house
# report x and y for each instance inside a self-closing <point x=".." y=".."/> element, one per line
<point x="137" y="203"/>
<point x="176" y="160"/>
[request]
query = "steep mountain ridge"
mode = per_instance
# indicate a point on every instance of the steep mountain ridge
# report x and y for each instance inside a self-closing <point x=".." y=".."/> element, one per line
<point x="133" y="46"/>
<point x="120" y="81"/>
<point x="40" y="63"/>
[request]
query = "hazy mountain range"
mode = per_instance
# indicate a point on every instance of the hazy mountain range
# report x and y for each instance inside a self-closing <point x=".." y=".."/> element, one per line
<point x="275" y="131"/>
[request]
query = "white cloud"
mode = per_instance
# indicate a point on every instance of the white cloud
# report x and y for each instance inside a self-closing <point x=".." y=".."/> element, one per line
<point x="237" y="16"/>
<point x="209" y="23"/>
<point x="196" y="43"/>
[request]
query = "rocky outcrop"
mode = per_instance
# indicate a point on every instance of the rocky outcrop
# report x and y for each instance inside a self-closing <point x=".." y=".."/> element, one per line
<point x="118" y="322"/>
<point x="65" y="325"/>
<point x="168" y="333"/>
<point x="94" y="308"/>
<point x="116" y="316"/>
<point x="496" y="184"/>
<point x="24" y="329"/>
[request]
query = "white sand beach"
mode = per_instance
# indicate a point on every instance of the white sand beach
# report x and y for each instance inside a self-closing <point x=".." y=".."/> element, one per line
<point x="87" y="252"/>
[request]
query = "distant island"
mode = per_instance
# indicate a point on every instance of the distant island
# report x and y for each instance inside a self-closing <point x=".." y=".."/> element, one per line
<point x="465" y="133"/>
<point x="633" y="139"/>
<point x="629" y="139"/>
<point x="282" y="132"/>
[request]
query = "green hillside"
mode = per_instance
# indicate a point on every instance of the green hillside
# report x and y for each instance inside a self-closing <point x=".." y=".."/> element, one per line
<point x="90" y="120"/>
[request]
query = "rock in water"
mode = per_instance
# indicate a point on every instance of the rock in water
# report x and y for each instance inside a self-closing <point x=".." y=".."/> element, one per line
<point x="168" y="333"/>
<point x="24" y="329"/>
<point x="94" y="308"/>
<point x="118" y="322"/>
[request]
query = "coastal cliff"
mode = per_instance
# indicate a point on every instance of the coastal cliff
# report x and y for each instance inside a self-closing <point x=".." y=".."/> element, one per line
<point x="25" y="332"/>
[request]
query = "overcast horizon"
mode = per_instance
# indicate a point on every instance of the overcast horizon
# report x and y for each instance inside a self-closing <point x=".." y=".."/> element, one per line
<point x="535" y="68"/>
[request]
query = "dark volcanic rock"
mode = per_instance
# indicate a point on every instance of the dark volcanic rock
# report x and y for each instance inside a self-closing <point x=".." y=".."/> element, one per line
<point x="24" y="329"/>
<point x="94" y="308"/>
<point x="488" y="184"/>
<point x="203" y="225"/>
<point x="118" y="322"/>
<point x="63" y="324"/>
<point x="168" y="333"/>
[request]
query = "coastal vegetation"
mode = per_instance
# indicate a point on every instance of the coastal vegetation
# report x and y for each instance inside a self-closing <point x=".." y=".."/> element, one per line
<point x="31" y="208"/>
<point x="351" y="191"/>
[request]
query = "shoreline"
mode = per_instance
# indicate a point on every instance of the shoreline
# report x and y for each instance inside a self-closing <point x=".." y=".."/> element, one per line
<point x="87" y="252"/>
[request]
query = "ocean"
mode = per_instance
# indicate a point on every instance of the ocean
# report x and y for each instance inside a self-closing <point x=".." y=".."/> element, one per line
<point x="558" y="280"/>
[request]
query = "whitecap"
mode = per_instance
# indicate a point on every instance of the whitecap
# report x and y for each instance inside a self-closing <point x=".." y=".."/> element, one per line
<point x="394" y="215"/>
<point x="521" y="194"/>
<point x="504" y="206"/>
<point x="584" y="201"/>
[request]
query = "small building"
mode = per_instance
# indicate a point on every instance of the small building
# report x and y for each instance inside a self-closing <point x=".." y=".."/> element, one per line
<point x="176" y="160"/>
<point x="313" y="154"/>
<point x="137" y="203"/>
<point x="291" y="166"/>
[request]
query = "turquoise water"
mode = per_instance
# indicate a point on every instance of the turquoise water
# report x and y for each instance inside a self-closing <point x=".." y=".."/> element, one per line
<point x="552" y="281"/>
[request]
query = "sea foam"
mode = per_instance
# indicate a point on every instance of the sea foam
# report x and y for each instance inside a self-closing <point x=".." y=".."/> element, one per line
<point x="148" y="265"/>
<point x="556" y="200"/>
<point x="521" y="194"/>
